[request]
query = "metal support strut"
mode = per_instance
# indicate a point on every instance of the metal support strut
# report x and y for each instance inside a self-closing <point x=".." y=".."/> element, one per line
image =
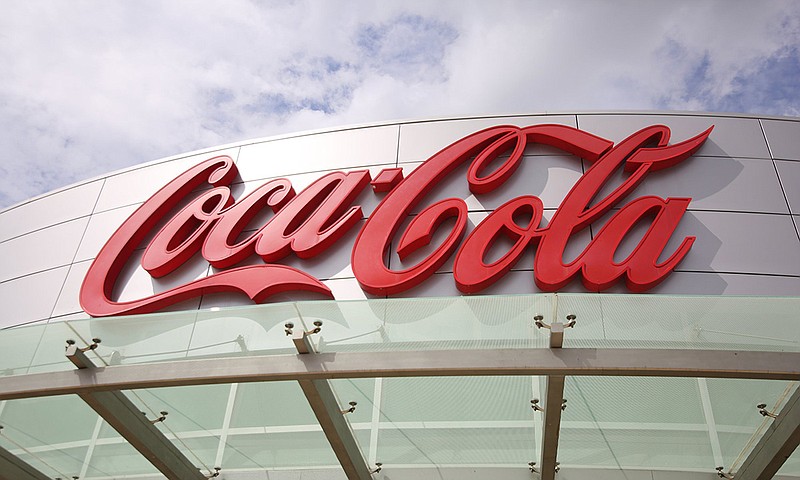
<point x="777" y="443"/>
<point x="127" y="419"/>
<point x="13" y="468"/>
<point x="329" y="413"/>
<point x="555" y="403"/>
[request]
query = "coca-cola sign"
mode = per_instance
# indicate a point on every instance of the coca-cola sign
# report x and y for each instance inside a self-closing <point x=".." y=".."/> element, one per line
<point x="309" y="222"/>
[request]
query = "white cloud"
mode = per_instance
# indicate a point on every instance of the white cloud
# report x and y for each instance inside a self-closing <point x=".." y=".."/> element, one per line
<point x="89" y="87"/>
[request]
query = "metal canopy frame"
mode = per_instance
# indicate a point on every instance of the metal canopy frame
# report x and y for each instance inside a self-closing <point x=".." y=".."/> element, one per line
<point x="497" y="362"/>
<point x="129" y="421"/>
<point x="330" y="416"/>
<point x="14" y="468"/>
<point x="100" y="387"/>
<point x="552" y="425"/>
<point x="776" y="445"/>
<point x="553" y="406"/>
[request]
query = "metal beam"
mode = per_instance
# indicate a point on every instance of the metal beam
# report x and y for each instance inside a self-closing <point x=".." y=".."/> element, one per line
<point x="323" y="402"/>
<point x="557" y="335"/>
<point x="552" y="425"/>
<point x="553" y="404"/>
<point x="776" y="445"/>
<point x="12" y="468"/>
<point x="127" y="419"/>
<point x="565" y="362"/>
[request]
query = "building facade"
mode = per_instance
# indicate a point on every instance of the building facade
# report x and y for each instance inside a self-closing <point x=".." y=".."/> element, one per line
<point x="644" y="267"/>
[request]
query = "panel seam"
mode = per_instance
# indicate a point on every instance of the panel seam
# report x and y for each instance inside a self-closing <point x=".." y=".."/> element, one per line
<point x="780" y="182"/>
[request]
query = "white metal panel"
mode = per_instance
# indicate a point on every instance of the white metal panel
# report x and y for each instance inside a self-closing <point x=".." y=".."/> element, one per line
<point x="135" y="282"/>
<point x="739" y="243"/>
<point x="41" y="250"/>
<point x="726" y="242"/>
<point x="317" y="152"/>
<point x="49" y="210"/>
<point x="709" y="283"/>
<point x="437" y="285"/>
<point x="68" y="302"/>
<point x="732" y="137"/>
<point x="782" y="137"/>
<point x="222" y="300"/>
<point x="30" y="298"/>
<point x="101" y="226"/>
<point x="715" y="183"/>
<point x="348" y="289"/>
<point x="73" y="316"/>
<point x="522" y="281"/>
<point x="136" y="186"/>
<point x="789" y="173"/>
<point x="796" y="220"/>
<point x="418" y="141"/>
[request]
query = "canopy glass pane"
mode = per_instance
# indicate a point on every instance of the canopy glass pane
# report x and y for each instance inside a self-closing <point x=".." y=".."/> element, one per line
<point x="53" y="434"/>
<point x="475" y="322"/>
<point x="651" y="423"/>
<point x="618" y="424"/>
<point x="665" y="321"/>
<point x="457" y="421"/>
<point x="428" y="323"/>
<point x="269" y="426"/>
<point x="792" y="465"/>
<point x="736" y="415"/>
<point x="113" y="456"/>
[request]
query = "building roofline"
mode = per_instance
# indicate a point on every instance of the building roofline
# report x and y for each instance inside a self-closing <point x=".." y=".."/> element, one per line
<point x="407" y="121"/>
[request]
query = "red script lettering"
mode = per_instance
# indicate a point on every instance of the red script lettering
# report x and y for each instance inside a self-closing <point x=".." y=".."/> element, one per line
<point x="306" y="224"/>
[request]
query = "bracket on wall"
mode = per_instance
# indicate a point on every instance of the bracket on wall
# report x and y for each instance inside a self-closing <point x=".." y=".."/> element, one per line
<point x="556" y="329"/>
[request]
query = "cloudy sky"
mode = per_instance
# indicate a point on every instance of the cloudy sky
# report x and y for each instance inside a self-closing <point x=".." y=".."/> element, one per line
<point x="88" y="87"/>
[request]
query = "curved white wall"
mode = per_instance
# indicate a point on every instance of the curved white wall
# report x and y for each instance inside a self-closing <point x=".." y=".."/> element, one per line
<point x="744" y="184"/>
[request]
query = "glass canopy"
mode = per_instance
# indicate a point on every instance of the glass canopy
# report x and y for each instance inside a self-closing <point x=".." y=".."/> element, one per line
<point x="401" y="387"/>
